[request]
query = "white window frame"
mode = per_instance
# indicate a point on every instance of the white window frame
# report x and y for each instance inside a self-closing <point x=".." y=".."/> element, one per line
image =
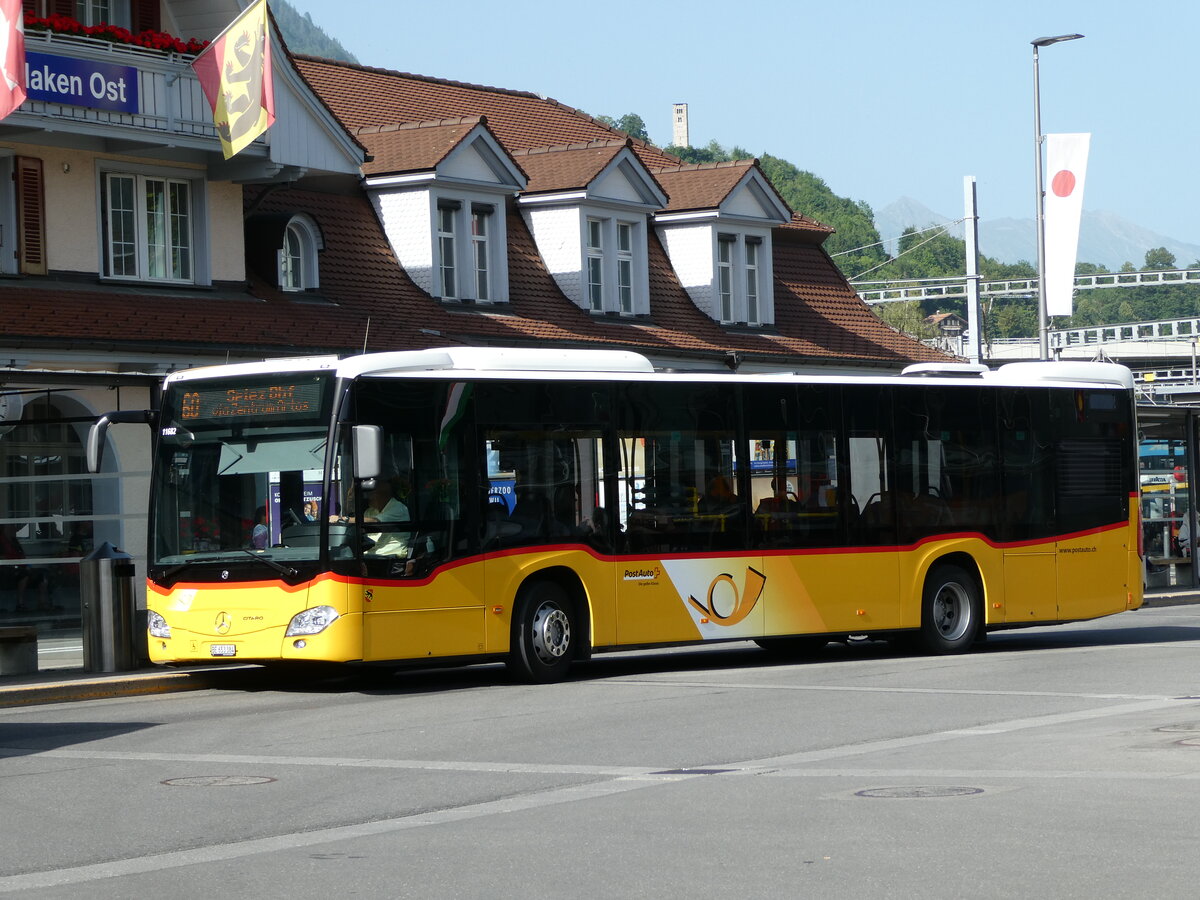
<point x="144" y="261"/>
<point x="726" y="254"/>
<point x="481" y="227"/>
<point x="459" y="251"/>
<point x="445" y="229"/>
<point x="594" y="264"/>
<point x="741" y="287"/>
<point x="118" y="13"/>
<point x="300" y="271"/>
<point x="752" y="248"/>
<point x="614" y="271"/>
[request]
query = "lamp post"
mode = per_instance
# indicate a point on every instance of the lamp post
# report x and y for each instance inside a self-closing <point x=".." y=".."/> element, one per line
<point x="1043" y="319"/>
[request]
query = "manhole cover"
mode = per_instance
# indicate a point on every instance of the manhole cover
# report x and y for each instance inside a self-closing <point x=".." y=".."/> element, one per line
<point x="919" y="791"/>
<point x="217" y="780"/>
<point x="1186" y="728"/>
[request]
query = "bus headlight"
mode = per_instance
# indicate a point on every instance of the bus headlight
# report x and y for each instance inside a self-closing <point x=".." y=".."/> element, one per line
<point x="312" y="621"/>
<point x="157" y="624"/>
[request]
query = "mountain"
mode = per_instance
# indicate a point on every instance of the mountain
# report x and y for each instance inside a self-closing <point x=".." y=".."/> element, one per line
<point x="1104" y="237"/>
<point x="302" y="35"/>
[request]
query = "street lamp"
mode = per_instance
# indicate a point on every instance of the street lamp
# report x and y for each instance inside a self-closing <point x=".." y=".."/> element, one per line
<point x="1043" y="319"/>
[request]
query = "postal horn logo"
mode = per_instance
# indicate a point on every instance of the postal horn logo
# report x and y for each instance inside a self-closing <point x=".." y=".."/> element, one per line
<point x="726" y="605"/>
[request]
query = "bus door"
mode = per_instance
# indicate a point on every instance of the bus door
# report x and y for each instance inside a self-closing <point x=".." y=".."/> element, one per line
<point x="868" y="574"/>
<point x="799" y="510"/>
<point x="687" y="571"/>
<point x="546" y="502"/>
<point x="1027" y="518"/>
<point x="411" y="527"/>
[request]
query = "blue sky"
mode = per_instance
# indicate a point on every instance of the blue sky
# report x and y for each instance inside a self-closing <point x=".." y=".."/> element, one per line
<point x="882" y="100"/>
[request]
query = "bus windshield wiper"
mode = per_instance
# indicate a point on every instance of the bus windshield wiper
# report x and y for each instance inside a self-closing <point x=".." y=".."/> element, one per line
<point x="177" y="568"/>
<point x="267" y="561"/>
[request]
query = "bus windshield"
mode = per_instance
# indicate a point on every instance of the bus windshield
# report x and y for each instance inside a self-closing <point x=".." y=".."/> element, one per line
<point x="239" y="469"/>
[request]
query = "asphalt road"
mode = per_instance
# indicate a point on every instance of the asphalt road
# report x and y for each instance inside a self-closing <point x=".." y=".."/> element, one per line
<point x="1057" y="762"/>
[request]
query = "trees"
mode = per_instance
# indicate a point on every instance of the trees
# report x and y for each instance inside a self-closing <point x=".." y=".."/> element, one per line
<point x="630" y="123"/>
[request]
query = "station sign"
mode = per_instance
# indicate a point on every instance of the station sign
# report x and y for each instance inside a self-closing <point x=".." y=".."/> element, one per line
<point x="81" y="82"/>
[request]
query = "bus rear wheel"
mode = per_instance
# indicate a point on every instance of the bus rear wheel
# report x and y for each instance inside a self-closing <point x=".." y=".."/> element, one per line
<point x="544" y="634"/>
<point x="951" y="610"/>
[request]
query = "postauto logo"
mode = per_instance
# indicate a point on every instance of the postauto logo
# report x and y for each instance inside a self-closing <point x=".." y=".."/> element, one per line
<point x="725" y="603"/>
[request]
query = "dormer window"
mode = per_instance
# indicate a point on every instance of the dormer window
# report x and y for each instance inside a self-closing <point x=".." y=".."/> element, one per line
<point x="466" y="267"/>
<point x="441" y="189"/>
<point x="718" y="238"/>
<point x="614" y="253"/>
<point x="587" y="208"/>
<point x="738" y="264"/>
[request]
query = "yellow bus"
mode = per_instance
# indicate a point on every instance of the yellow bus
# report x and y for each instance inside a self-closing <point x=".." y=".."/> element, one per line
<point x="536" y="506"/>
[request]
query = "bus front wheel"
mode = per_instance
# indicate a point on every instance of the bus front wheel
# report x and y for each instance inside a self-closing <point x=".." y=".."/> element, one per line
<point x="544" y="634"/>
<point x="951" y="610"/>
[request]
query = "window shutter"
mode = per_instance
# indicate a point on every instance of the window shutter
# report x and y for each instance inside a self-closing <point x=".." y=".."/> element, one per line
<point x="61" y="8"/>
<point x="31" y="216"/>
<point x="145" y="15"/>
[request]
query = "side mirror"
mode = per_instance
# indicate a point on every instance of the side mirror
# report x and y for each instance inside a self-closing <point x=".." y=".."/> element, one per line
<point x="367" y="443"/>
<point x="99" y="432"/>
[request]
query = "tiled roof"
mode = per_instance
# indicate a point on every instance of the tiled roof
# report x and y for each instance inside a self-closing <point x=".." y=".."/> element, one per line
<point x="412" y="147"/>
<point x="701" y="186"/>
<point x="366" y="298"/>
<point x="567" y="167"/>
<point x="819" y="317"/>
<point x="361" y="95"/>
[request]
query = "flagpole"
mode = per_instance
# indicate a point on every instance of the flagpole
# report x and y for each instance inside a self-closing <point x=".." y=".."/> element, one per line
<point x="224" y="31"/>
<point x="1040" y="218"/>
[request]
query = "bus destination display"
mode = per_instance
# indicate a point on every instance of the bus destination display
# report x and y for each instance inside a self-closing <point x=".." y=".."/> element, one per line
<point x="284" y="399"/>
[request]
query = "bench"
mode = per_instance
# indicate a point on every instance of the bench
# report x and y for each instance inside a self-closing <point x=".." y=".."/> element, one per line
<point x="18" y="650"/>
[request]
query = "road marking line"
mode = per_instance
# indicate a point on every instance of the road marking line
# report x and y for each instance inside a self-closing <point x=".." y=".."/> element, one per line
<point x="501" y="768"/>
<point x="863" y="689"/>
<point x="285" y="842"/>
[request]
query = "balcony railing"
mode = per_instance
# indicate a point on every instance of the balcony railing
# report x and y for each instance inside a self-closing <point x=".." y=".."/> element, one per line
<point x="170" y="101"/>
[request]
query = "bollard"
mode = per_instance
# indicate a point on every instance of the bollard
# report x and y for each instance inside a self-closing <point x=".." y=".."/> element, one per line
<point x="106" y="589"/>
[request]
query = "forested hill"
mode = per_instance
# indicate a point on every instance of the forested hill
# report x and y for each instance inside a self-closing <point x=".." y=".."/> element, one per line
<point x="302" y="35"/>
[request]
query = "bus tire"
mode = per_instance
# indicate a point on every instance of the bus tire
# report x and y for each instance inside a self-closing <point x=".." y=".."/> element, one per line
<point x="951" y="610"/>
<point x="544" y="634"/>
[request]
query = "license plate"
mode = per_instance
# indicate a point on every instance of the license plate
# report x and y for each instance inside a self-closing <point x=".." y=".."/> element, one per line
<point x="222" y="650"/>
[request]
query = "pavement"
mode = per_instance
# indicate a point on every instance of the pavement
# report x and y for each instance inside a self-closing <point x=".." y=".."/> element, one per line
<point x="63" y="683"/>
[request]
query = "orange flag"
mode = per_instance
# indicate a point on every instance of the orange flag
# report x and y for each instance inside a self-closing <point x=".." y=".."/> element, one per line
<point x="235" y="74"/>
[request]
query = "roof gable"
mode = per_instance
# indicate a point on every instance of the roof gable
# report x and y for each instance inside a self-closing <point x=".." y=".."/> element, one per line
<point x="598" y="170"/>
<point x="461" y="149"/>
<point x="735" y="189"/>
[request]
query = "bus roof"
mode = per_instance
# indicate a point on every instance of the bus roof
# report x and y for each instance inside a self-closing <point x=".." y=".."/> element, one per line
<point x="622" y="364"/>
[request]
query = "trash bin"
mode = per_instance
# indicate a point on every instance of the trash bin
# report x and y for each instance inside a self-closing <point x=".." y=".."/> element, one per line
<point x="106" y="589"/>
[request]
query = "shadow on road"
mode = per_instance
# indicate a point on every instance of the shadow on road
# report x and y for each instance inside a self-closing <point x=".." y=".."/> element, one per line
<point x="21" y="738"/>
<point x="400" y="680"/>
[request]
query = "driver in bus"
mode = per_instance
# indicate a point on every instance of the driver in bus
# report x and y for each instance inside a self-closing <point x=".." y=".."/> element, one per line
<point x="384" y="506"/>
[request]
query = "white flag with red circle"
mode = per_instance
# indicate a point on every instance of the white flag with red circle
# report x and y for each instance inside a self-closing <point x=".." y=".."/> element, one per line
<point x="12" y="56"/>
<point x="1062" y="206"/>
